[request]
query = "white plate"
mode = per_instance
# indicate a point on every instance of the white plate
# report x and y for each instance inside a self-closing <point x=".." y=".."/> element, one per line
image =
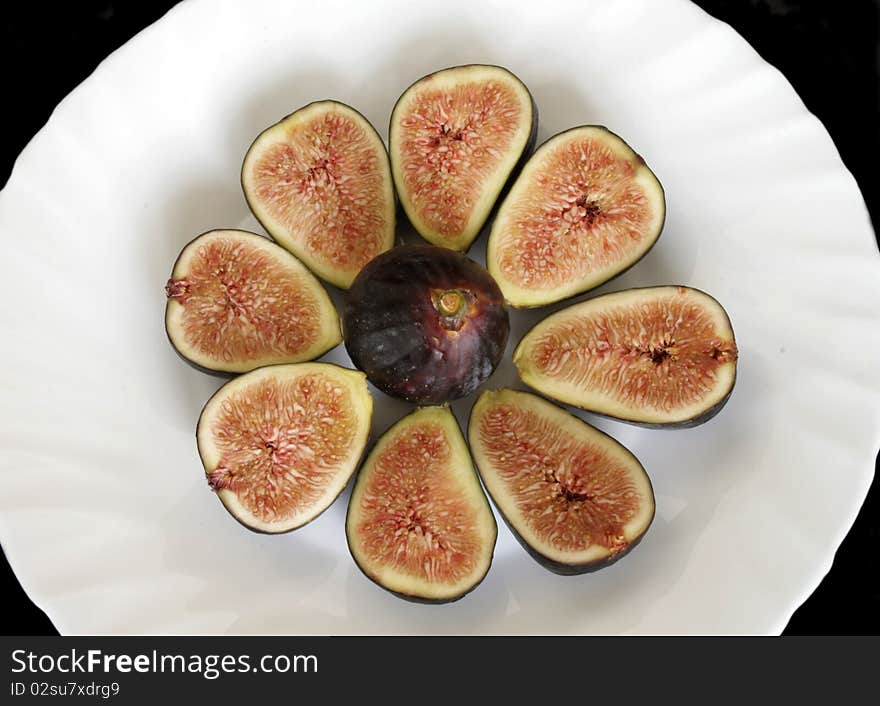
<point x="106" y="516"/>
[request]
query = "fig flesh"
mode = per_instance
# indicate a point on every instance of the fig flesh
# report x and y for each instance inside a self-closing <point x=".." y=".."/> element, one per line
<point x="456" y="138"/>
<point x="425" y="324"/>
<point x="576" y="499"/>
<point x="236" y="301"/>
<point x="320" y="183"/>
<point x="584" y="208"/>
<point x="280" y="443"/>
<point x="657" y="356"/>
<point x="418" y="522"/>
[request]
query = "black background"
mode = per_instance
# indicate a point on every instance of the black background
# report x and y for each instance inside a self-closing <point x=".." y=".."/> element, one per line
<point x="828" y="50"/>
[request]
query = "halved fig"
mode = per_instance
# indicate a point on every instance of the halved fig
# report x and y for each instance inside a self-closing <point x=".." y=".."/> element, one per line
<point x="425" y="324"/>
<point x="280" y="443"/>
<point x="658" y="356"/>
<point x="236" y="301"/>
<point x="576" y="499"/>
<point x="456" y="138"/>
<point x="584" y="208"/>
<point x="319" y="182"/>
<point x="418" y="523"/>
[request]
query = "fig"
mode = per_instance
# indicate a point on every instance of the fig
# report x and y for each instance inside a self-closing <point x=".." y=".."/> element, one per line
<point x="320" y="183"/>
<point x="425" y="324"/>
<point x="236" y="301"/>
<point x="456" y="138"/>
<point x="657" y="356"/>
<point x="576" y="499"/>
<point x="584" y="209"/>
<point x="418" y="522"/>
<point x="280" y="443"/>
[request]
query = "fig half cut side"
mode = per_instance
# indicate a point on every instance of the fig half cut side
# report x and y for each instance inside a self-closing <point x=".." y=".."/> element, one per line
<point x="236" y="301"/>
<point x="456" y="138"/>
<point x="584" y="209"/>
<point x="425" y="324"/>
<point x="280" y="443"/>
<point x="320" y="183"/>
<point x="418" y="523"/>
<point x="657" y="356"/>
<point x="576" y="499"/>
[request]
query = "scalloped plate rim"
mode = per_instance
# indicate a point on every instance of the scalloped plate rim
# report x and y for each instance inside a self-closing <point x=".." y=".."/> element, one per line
<point x="56" y="614"/>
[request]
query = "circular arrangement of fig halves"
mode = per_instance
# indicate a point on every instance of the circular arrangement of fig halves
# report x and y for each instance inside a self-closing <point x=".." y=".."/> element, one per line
<point x="429" y="325"/>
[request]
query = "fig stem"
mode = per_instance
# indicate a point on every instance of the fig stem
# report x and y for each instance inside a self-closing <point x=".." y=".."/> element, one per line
<point x="450" y="302"/>
<point x="176" y="288"/>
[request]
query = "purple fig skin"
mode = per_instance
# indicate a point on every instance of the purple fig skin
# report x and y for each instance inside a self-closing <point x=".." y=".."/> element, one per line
<point x="558" y="567"/>
<point x="396" y="334"/>
<point x="694" y="421"/>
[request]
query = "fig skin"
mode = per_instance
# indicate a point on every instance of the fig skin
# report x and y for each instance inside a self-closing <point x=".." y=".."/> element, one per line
<point x="553" y="565"/>
<point x="563" y="569"/>
<point x="357" y="463"/>
<point x="701" y="417"/>
<point x="330" y="344"/>
<point x="690" y="423"/>
<point x="545" y="300"/>
<point x="410" y="597"/>
<point x="685" y="424"/>
<point x="222" y="374"/>
<point x="575" y="569"/>
<point x="339" y="279"/>
<point x="524" y="157"/>
<point x="395" y="332"/>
